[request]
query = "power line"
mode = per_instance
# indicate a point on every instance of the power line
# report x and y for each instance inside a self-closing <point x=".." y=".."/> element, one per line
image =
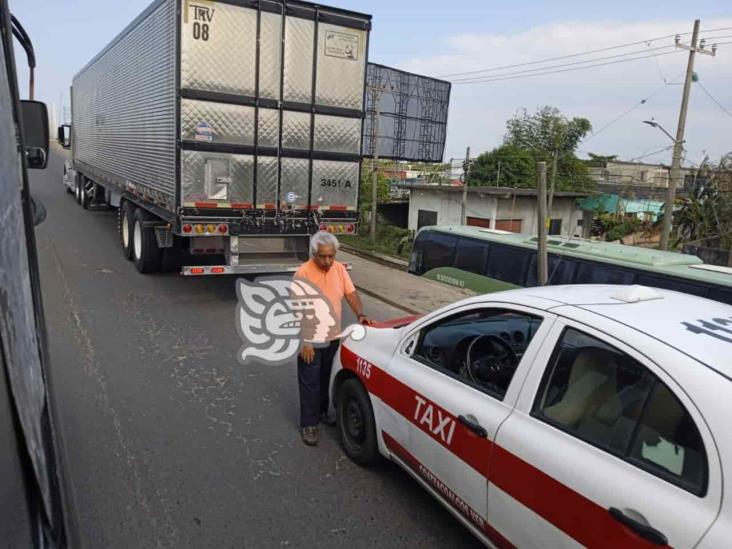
<point x="517" y="75"/>
<point x="551" y="67"/>
<point x="710" y="96"/>
<point x="560" y="57"/>
<point x="627" y="112"/>
<point x="580" y="54"/>
<point x="651" y="153"/>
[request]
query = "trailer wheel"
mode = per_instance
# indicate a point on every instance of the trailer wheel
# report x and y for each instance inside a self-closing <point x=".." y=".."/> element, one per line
<point x="124" y="227"/>
<point x="77" y="190"/>
<point x="145" y="251"/>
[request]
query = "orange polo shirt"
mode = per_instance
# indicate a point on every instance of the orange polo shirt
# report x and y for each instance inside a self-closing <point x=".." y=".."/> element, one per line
<point x="334" y="284"/>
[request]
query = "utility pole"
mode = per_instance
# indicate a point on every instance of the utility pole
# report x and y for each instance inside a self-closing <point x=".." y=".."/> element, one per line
<point x="376" y="98"/>
<point x="679" y="141"/>
<point x="466" y="173"/>
<point x="498" y="175"/>
<point x="543" y="260"/>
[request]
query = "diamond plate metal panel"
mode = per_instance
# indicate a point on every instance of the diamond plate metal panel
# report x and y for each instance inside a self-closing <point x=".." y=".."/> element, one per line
<point x="341" y="67"/>
<point x="337" y="134"/>
<point x="218" y="47"/>
<point x="295" y="130"/>
<point x="267" y="167"/>
<point x="298" y="64"/>
<point x="269" y="127"/>
<point x="294" y="183"/>
<point x="208" y="122"/>
<point x="124" y="107"/>
<point x="216" y="177"/>
<point x="270" y="53"/>
<point x="335" y="184"/>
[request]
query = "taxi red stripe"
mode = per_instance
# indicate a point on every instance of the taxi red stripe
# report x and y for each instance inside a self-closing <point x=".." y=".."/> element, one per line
<point x="447" y="495"/>
<point x="571" y="512"/>
<point x="472" y="449"/>
<point x="577" y="516"/>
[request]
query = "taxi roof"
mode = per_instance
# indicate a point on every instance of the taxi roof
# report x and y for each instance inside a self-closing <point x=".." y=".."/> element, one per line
<point x="698" y="327"/>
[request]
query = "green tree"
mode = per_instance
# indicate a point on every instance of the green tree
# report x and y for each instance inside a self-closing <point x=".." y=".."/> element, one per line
<point x="706" y="213"/>
<point x="599" y="161"/>
<point x="552" y="138"/>
<point x="505" y="166"/>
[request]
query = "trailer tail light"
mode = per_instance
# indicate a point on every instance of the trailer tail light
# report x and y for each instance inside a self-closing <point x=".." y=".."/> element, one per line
<point x="338" y="228"/>
<point x="187" y="229"/>
<point x="223" y="228"/>
<point x="210" y="228"/>
<point x="200" y="229"/>
<point x="218" y="270"/>
<point x="198" y="270"/>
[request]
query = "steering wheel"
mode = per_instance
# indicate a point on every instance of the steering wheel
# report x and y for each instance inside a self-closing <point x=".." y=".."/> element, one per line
<point x="495" y="361"/>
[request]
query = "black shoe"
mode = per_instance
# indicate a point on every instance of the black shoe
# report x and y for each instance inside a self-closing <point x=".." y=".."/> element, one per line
<point x="310" y="436"/>
<point x="325" y="419"/>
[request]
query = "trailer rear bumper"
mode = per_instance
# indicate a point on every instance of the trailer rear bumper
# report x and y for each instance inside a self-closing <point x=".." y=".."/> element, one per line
<point x="217" y="270"/>
<point x="240" y="269"/>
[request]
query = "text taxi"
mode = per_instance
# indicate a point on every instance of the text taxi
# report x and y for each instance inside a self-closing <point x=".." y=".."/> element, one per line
<point x="555" y="417"/>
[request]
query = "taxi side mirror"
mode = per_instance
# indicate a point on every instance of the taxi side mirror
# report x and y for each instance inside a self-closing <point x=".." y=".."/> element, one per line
<point x="35" y="133"/>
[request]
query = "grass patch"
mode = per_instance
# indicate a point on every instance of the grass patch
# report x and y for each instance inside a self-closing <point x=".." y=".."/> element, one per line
<point x="387" y="242"/>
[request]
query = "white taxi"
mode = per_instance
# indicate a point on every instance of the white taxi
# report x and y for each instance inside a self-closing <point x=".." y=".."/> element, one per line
<point x="562" y="416"/>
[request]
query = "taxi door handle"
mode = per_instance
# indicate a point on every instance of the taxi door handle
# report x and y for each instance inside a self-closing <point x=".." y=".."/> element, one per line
<point x="473" y="426"/>
<point x="643" y="530"/>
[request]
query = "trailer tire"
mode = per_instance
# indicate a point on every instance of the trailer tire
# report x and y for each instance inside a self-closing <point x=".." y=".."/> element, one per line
<point x="77" y="189"/>
<point x="124" y="227"/>
<point x="145" y="251"/>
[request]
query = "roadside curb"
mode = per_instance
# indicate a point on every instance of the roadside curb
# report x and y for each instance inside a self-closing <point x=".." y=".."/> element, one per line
<point x="380" y="297"/>
<point x="373" y="257"/>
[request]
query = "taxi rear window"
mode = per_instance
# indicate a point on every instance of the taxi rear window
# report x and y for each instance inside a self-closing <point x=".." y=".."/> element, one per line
<point x="606" y="398"/>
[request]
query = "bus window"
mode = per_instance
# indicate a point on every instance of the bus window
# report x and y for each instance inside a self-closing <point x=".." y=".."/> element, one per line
<point x="600" y="273"/>
<point x="671" y="284"/>
<point x="720" y="294"/>
<point x="437" y="250"/>
<point x="470" y="255"/>
<point x="561" y="270"/>
<point x="508" y="264"/>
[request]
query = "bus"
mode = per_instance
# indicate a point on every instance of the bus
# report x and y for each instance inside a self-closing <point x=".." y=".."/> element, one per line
<point x="488" y="260"/>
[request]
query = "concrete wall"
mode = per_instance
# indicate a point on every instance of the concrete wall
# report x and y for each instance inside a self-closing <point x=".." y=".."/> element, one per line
<point x="447" y="206"/>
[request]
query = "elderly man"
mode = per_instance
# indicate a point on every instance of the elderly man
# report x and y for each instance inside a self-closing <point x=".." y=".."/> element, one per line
<point x="314" y="364"/>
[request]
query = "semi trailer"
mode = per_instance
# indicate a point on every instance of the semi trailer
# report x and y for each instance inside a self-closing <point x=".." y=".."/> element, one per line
<point x="225" y="133"/>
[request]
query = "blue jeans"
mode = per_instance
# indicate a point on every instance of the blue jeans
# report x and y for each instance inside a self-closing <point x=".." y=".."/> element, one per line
<point x="313" y="380"/>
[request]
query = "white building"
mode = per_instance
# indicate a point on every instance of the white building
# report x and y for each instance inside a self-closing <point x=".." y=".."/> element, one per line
<point x="499" y="208"/>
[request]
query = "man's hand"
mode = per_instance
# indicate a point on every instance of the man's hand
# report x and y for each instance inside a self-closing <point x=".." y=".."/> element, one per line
<point x="308" y="354"/>
<point x="363" y="319"/>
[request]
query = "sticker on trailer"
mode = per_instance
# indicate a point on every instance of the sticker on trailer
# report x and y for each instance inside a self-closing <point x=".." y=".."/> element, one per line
<point x="201" y="13"/>
<point x="341" y="44"/>
<point x="204" y="132"/>
<point x="290" y="197"/>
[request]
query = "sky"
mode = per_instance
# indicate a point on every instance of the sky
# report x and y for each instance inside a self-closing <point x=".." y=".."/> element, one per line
<point x="438" y="38"/>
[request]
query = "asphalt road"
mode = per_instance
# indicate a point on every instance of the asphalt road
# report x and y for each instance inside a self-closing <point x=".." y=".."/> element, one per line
<point x="168" y="440"/>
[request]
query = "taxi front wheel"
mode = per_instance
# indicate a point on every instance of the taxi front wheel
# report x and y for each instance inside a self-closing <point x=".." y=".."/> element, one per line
<point x="356" y="423"/>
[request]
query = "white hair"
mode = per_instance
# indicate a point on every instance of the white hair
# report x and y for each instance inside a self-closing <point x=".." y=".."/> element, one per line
<point x="322" y="238"/>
